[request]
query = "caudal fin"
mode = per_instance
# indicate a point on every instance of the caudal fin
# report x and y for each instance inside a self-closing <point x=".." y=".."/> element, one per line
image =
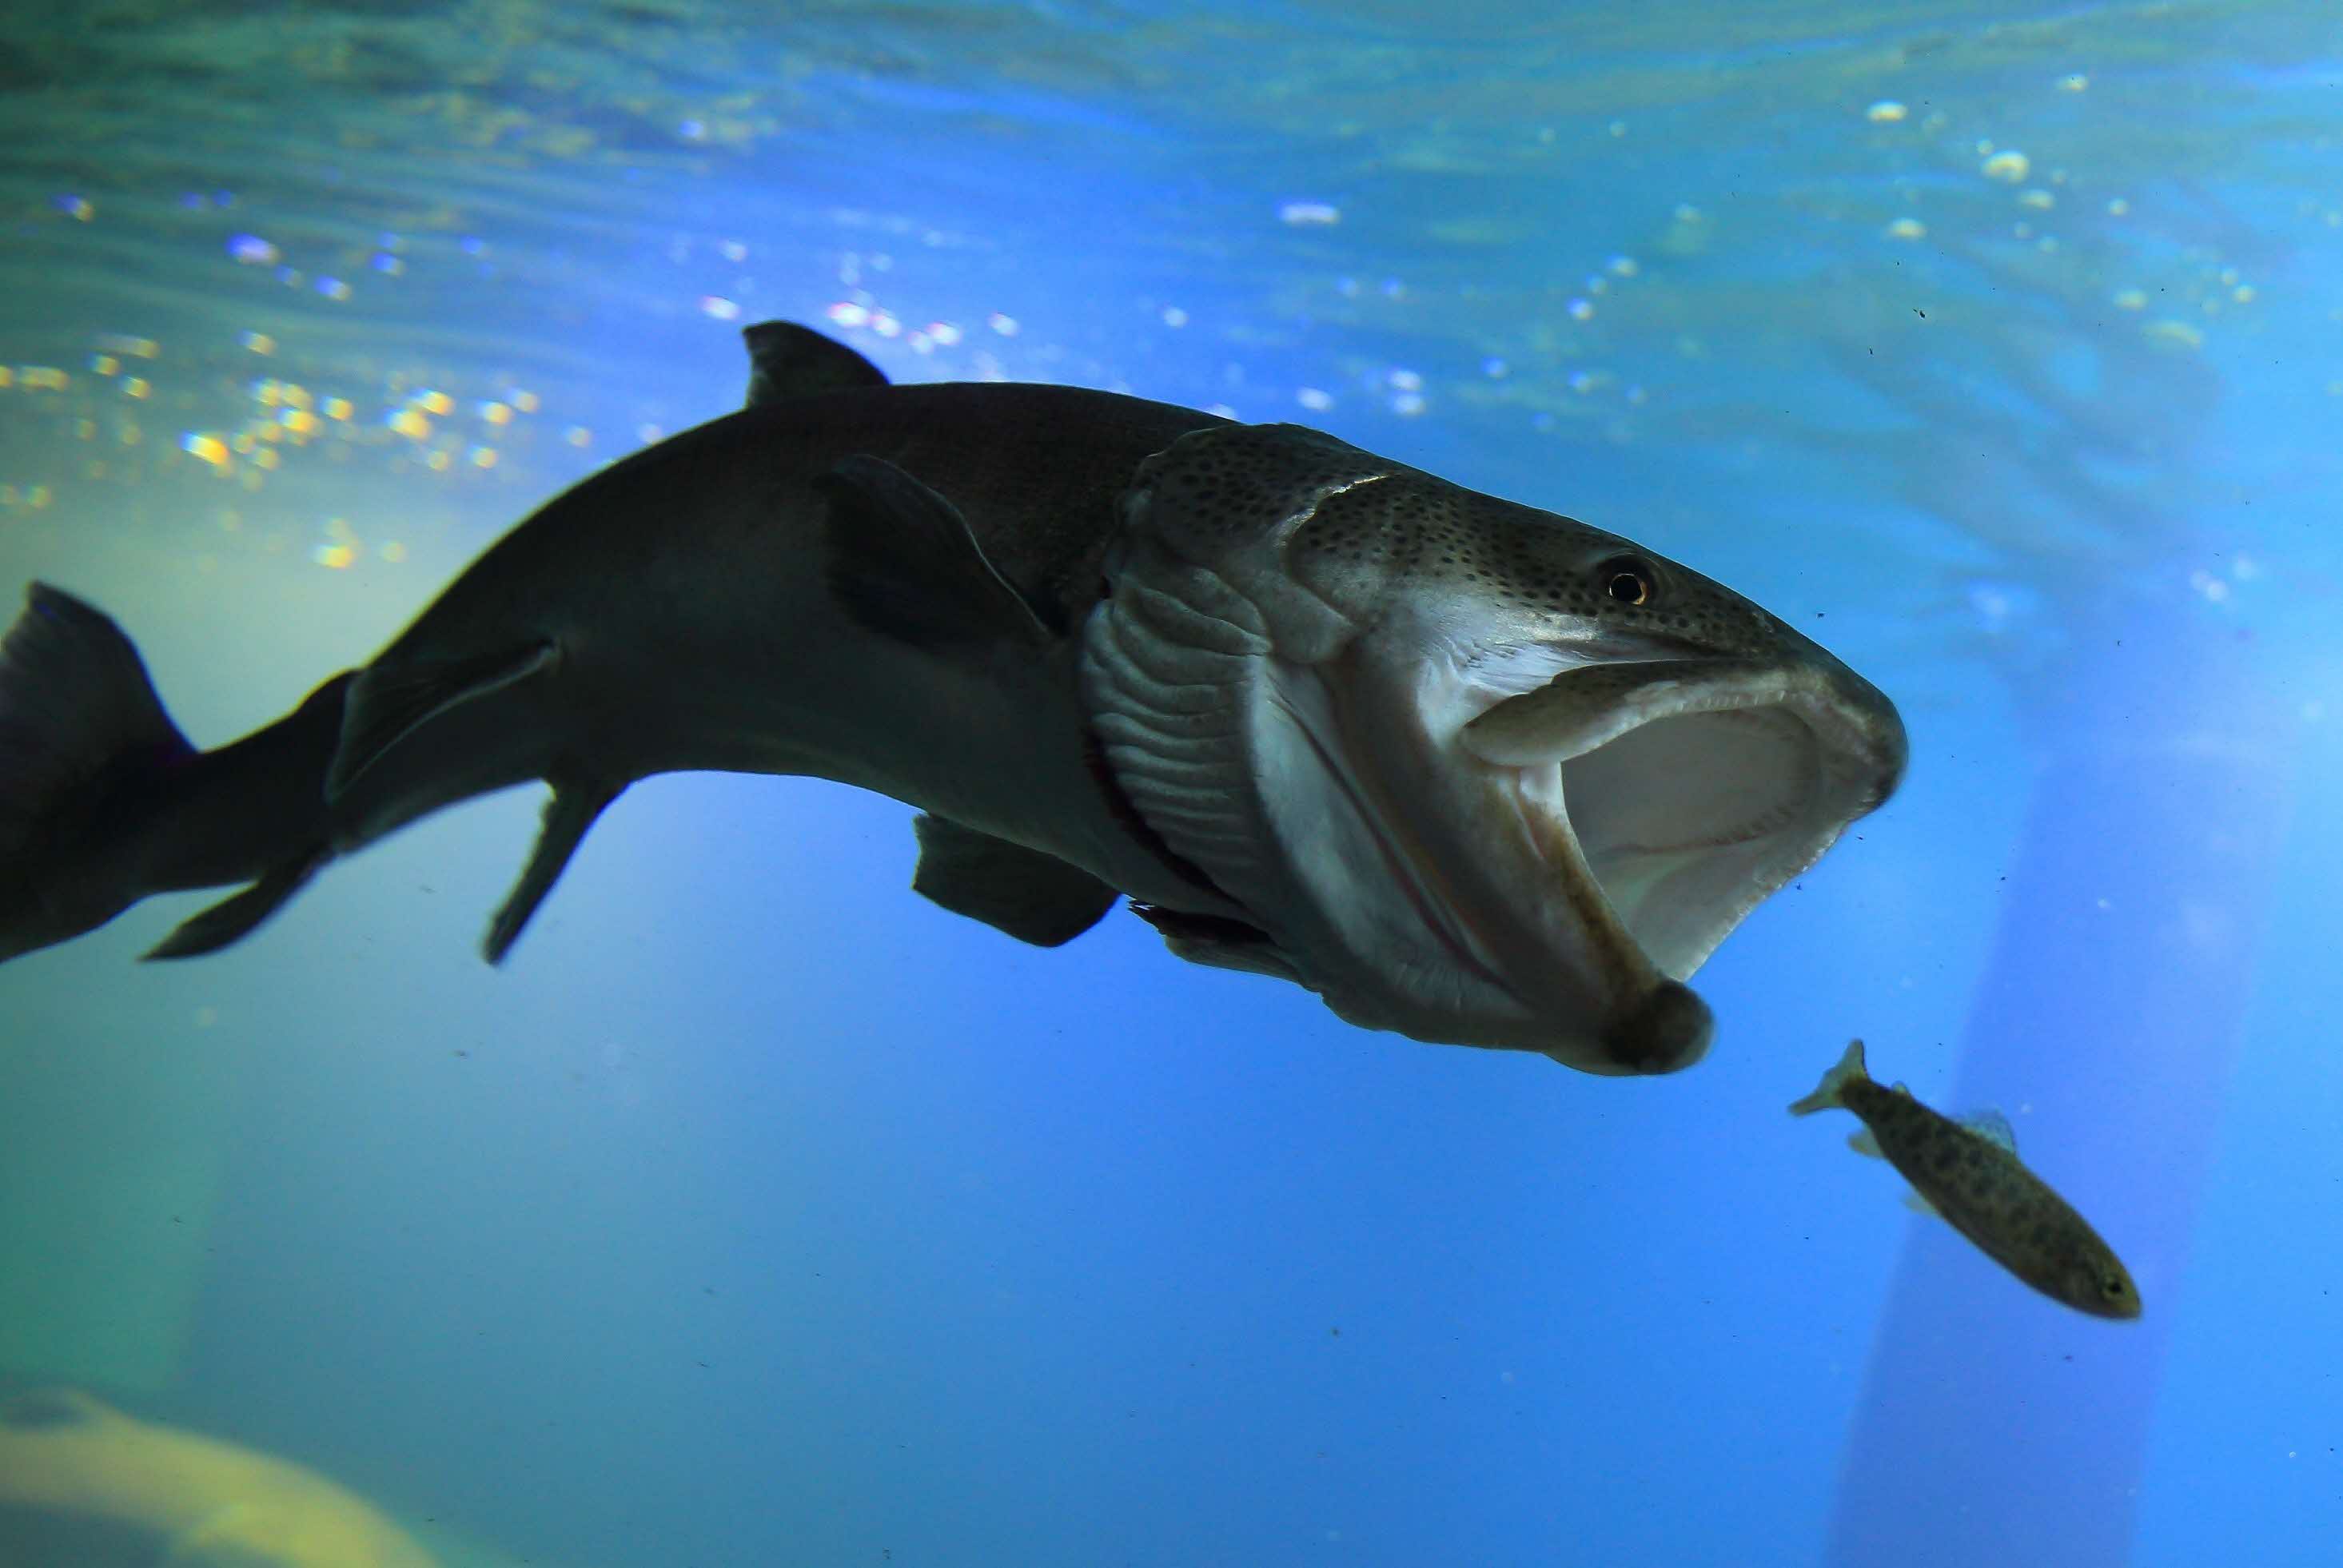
<point x="81" y="730"/>
<point x="1825" y="1097"/>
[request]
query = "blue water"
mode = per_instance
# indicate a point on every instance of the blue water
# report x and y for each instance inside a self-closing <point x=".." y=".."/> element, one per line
<point x="757" y="1211"/>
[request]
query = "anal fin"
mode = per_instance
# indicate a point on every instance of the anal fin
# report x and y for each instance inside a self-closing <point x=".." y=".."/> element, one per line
<point x="1033" y="897"/>
<point x="387" y="702"/>
<point x="237" y="917"/>
<point x="573" y="809"/>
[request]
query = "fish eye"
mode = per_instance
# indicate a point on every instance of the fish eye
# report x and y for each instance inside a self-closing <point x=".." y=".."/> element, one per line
<point x="1628" y="579"/>
<point x="2111" y="1287"/>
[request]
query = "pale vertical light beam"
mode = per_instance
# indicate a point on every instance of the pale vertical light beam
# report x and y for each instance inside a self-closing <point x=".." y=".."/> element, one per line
<point x="1996" y="1427"/>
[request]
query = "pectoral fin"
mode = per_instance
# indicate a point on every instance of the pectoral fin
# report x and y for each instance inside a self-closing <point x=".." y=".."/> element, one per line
<point x="574" y="806"/>
<point x="1035" y="897"/>
<point x="237" y="917"/>
<point x="1218" y="942"/>
<point x="903" y="562"/>
<point x="387" y="702"/>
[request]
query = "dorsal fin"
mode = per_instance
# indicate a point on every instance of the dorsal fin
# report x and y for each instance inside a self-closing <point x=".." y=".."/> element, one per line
<point x="788" y="360"/>
<point x="40" y="1408"/>
<point x="1992" y="1126"/>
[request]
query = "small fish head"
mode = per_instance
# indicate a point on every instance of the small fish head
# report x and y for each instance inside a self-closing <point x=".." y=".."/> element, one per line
<point x="1510" y="779"/>
<point x="2097" y="1282"/>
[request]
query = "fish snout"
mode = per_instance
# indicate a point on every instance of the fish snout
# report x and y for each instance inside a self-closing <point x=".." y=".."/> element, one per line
<point x="1668" y="1031"/>
<point x="1871" y="746"/>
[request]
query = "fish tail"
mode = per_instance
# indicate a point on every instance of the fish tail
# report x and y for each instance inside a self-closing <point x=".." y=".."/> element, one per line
<point x="1828" y="1094"/>
<point x="82" y="739"/>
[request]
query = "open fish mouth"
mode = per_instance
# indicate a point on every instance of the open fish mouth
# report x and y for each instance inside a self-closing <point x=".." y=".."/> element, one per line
<point x="1688" y="791"/>
<point x="1567" y="857"/>
<point x="1437" y="851"/>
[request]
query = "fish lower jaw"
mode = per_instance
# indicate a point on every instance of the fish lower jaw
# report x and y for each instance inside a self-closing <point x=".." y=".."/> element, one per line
<point x="1502" y="930"/>
<point x="1426" y="893"/>
<point x="1525" y="955"/>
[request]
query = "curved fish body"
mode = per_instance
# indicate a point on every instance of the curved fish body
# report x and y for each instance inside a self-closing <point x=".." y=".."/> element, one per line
<point x="1472" y="771"/>
<point x="104" y="802"/>
<point x="83" y="1485"/>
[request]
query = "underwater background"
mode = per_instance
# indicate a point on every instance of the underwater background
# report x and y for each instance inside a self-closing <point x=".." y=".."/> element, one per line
<point x="759" y="1211"/>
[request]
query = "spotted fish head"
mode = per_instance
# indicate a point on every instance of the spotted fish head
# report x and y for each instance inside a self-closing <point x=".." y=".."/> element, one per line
<point x="1478" y="773"/>
<point x="2093" y="1280"/>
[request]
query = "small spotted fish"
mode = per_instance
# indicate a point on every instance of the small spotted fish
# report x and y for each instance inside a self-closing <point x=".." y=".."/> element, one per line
<point x="1968" y="1171"/>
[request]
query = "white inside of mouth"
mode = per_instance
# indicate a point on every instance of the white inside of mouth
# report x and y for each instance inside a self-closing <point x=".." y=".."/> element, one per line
<point x="1688" y="821"/>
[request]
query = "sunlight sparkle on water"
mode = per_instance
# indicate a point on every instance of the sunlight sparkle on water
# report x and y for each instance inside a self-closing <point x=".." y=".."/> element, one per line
<point x="2009" y="165"/>
<point x="205" y="448"/>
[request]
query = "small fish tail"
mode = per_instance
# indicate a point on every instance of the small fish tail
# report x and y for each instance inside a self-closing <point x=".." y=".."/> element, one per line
<point x="83" y="738"/>
<point x="1828" y="1094"/>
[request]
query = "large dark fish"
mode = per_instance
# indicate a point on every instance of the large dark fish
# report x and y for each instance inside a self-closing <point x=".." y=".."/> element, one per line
<point x="1471" y="771"/>
<point x="1969" y="1173"/>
